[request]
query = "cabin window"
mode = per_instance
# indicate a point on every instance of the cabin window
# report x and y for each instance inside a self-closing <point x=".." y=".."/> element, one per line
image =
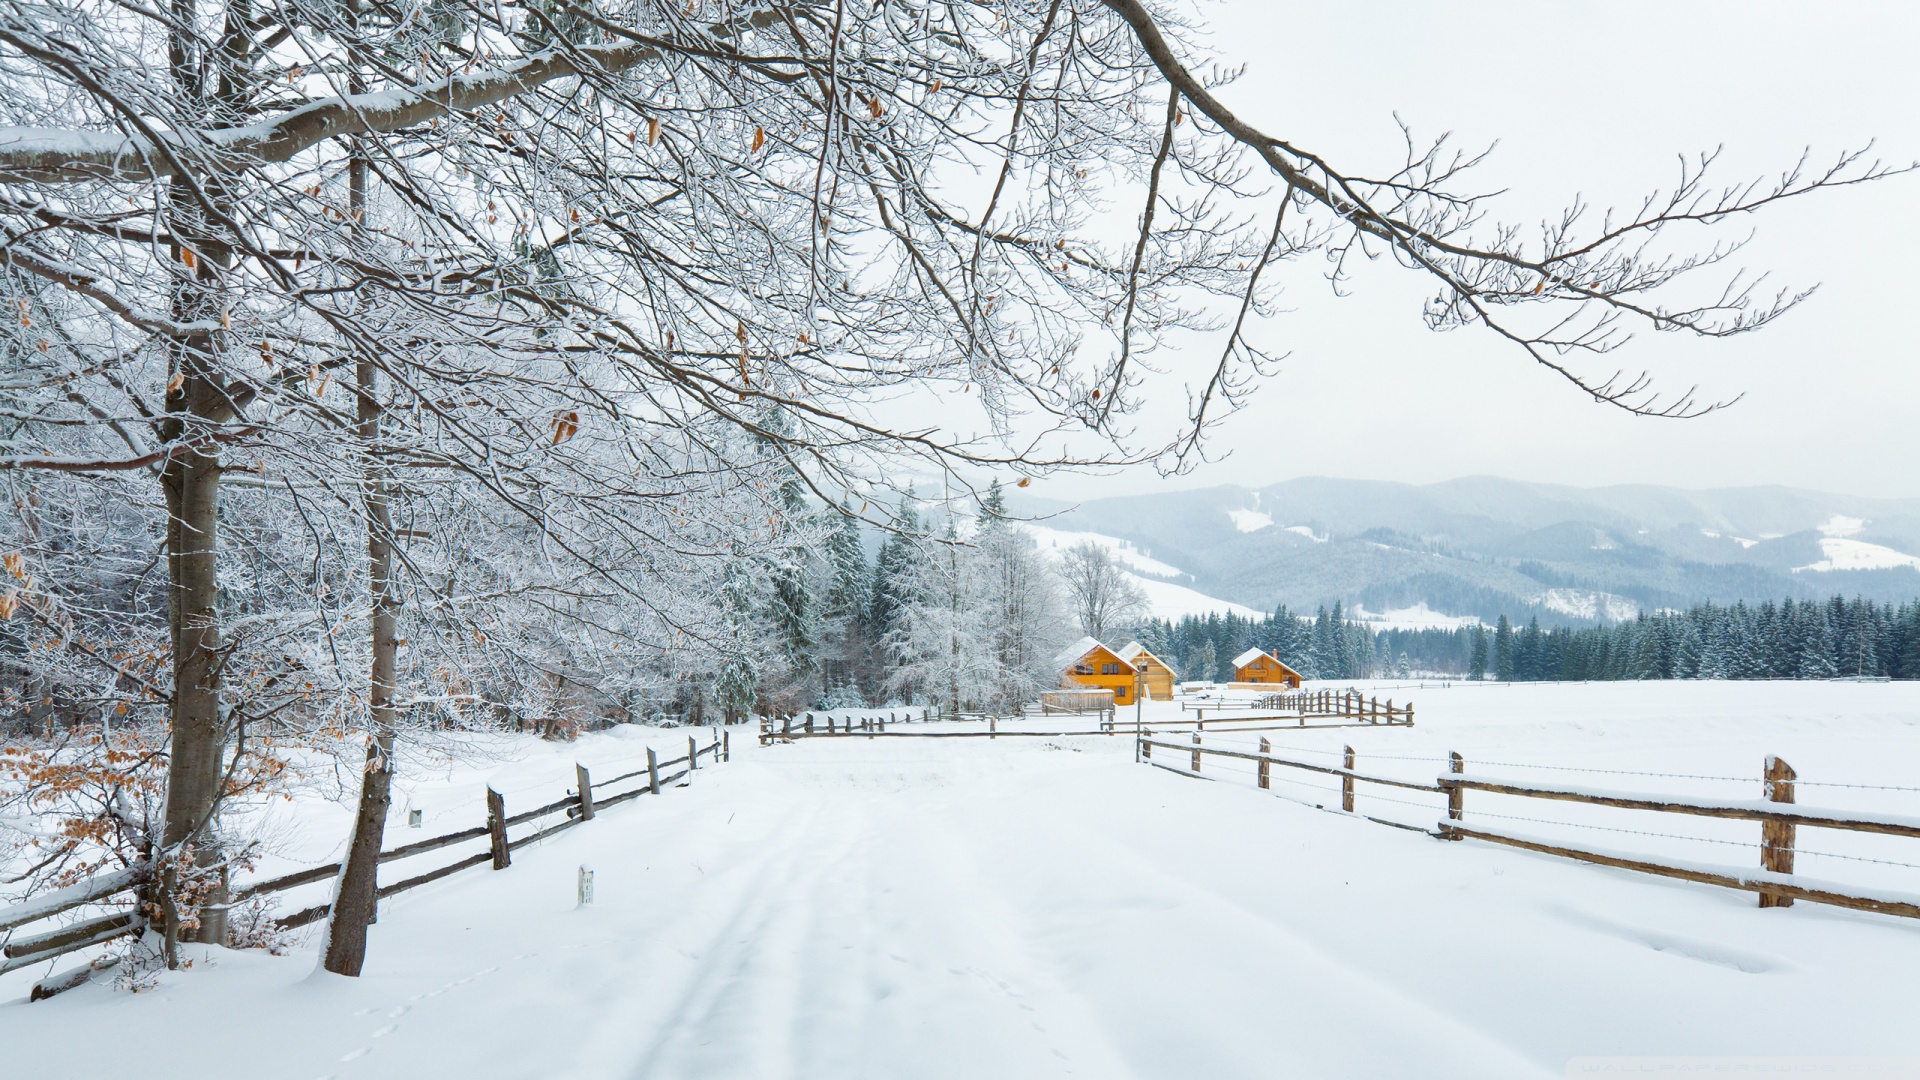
<point x="1109" y="669"/>
<point x="1082" y="669"/>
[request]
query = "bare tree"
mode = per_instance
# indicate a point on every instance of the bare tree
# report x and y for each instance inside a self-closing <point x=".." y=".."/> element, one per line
<point x="1104" y="597"/>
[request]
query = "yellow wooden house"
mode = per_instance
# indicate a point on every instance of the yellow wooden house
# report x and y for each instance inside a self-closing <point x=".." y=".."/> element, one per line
<point x="1090" y="664"/>
<point x="1257" y="667"/>
<point x="1155" y="674"/>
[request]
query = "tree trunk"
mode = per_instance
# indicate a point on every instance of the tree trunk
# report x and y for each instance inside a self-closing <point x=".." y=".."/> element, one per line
<point x="356" y="900"/>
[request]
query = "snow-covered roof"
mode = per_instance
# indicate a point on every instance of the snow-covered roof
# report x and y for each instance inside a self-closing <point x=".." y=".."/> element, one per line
<point x="1073" y="653"/>
<point x="1249" y="657"/>
<point x="1132" y="651"/>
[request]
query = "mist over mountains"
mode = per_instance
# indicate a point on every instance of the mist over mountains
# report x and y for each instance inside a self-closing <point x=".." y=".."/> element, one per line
<point x="1480" y="547"/>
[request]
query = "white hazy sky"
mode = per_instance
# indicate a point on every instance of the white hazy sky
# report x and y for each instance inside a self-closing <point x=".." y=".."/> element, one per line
<point x="1593" y="98"/>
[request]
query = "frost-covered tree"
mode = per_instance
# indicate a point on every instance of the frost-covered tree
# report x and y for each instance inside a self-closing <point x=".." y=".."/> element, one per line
<point x="1105" y="599"/>
<point x="1025" y="616"/>
<point x="844" y="638"/>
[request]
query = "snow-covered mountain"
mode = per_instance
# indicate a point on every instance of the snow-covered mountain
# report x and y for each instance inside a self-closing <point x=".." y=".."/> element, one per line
<point x="1438" y="554"/>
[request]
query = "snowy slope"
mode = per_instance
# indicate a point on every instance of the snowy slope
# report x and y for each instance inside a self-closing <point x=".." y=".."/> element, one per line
<point x="1167" y="598"/>
<point x="1843" y="552"/>
<point x="856" y="909"/>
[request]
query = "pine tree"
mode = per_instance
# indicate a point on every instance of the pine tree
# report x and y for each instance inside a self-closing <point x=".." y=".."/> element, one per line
<point x="1203" y="662"/>
<point x="843" y="606"/>
<point x="1815" y="633"/>
<point x="1503" y="650"/>
<point x="735" y="688"/>
<point x="1477" y="664"/>
<point x="893" y="570"/>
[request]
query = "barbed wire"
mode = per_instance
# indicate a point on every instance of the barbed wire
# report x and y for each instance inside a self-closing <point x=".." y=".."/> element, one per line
<point x="1477" y="813"/>
<point x="1856" y="858"/>
<point x="1873" y="787"/>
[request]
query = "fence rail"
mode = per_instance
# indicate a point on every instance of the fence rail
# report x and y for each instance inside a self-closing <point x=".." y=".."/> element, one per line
<point x="1351" y="706"/>
<point x="579" y="804"/>
<point x="1779" y="816"/>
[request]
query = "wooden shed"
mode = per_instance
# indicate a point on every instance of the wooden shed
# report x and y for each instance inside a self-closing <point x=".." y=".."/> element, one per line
<point x="1257" y="667"/>
<point x="1088" y="663"/>
<point x="1155" y="674"/>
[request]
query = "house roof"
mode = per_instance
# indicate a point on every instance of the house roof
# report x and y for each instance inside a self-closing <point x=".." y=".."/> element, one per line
<point x="1077" y="651"/>
<point x="1133" y="650"/>
<point x="1250" y="656"/>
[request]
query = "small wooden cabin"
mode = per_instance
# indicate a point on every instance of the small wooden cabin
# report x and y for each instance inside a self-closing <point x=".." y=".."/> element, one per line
<point x="1155" y="673"/>
<point x="1088" y="663"/>
<point x="1257" y="667"/>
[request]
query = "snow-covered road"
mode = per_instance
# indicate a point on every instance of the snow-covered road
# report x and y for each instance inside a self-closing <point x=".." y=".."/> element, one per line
<point x="1017" y="908"/>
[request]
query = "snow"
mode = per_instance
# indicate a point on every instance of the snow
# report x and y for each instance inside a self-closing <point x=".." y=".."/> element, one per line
<point x="1027" y="908"/>
<point x="1165" y="598"/>
<point x="1250" y="520"/>
<point x="1172" y="602"/>
<point x="1076" y="651"/>
<point x="1842" y="554"/>
<point x="1306" y="531"/>
<point x="1839" y="525"/>
<point x="1588" y="604"/>
<point x="1123" y="550"/>
<point x="1418" y="617"/>
<point x="1248" y="657"/>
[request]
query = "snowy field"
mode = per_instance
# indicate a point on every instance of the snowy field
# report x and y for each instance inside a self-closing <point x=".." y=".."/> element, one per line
<point x="907" y="908"/>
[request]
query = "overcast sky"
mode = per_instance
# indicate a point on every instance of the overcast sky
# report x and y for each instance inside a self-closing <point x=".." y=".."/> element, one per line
<point x="1597" y="99"/>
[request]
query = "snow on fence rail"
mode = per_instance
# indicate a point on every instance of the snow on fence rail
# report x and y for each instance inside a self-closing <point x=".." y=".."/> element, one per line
<point x="874" y="726"/>
<point x="579" y="804"/>
<point x="1779" y="815"/>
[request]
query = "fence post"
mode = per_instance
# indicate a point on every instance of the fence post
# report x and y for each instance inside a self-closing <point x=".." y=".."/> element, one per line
<point x="653" y="772"/>
<point x="1346" y="784"/>
<point x="497" y="828"/>
<point x="1409" y="715"/>
<point x="1146" y="748"/>
<point x="1777" y="837"/>
<point x="584" y="885"/>
<point x="693" y="754"/>
<point x="585" y="781"/>
<point x="1196" y="751"/>
<point x="992" y="728"/>
<point x="1456" y="795"/>
<point x="1264" y="765"/>
<point x="726" y="746"/>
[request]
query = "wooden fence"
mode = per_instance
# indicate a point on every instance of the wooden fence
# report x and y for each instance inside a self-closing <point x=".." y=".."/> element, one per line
<point x="580" y="804"/>
<point x="893" y="725"/>
<point x="1779" y="816"/>
<point x="1076" y="701"/>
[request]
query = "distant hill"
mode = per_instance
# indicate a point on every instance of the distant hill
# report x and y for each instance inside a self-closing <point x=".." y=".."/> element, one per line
<point x="1482" y="546"/>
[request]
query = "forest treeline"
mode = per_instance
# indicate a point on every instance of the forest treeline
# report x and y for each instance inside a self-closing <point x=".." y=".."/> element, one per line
<point x="1792" y="639"/>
